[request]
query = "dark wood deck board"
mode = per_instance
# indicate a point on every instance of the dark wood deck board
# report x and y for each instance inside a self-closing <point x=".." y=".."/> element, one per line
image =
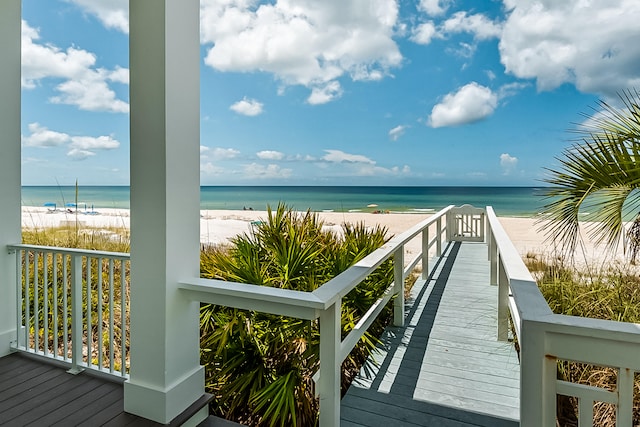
<point x="38" y="393"/>
<point x="445" y="362"/>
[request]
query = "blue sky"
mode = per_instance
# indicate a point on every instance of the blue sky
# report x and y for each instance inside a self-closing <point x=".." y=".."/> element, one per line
<point x="308" y="92"/>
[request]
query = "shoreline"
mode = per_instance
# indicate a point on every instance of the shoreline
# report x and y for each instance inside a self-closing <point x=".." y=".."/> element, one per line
<point x="218" y="226"/>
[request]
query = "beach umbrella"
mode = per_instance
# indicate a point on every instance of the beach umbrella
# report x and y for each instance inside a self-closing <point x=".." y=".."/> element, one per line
<point x="50" y="205"/>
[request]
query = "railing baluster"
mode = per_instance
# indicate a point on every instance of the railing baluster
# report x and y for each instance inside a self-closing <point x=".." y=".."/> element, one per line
<point x="111" y="321"/>
<point x="123" y="311"/>
<point x="27" y="301"/>
<point x="45" y="298"/>
<point x="36" y="303"/>
<point x="65" y="305"/>
<point x="76" y="314"/>
<point x="19" y="299"/>
<point x="99" y="307"/>
<point x="89" y="329"/>
<point x="398" y="280"/>
<point x="54" y="273"/>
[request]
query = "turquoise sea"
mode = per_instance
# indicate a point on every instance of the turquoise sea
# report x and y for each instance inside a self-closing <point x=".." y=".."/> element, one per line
<point x="507" y="201"/>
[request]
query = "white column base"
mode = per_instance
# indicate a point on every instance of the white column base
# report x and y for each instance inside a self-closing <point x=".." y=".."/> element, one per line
<point x="163" y="406"/>
<point x="6" y="339"/>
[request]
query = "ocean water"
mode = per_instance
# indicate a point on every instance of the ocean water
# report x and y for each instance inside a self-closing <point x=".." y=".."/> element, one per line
<point x="506" y="201"/>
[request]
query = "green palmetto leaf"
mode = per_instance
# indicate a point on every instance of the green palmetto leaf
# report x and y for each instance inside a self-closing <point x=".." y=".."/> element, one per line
<point x="601" y="174"/>
<point x="260" y="366"/>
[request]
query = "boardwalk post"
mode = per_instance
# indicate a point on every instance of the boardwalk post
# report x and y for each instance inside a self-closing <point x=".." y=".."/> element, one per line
<point x="537" y="378"/>
<point x="493" y="259"/>
<point x="330" y="365"/>
<point x="398" y="288"/>
<point x="10" y="200"/>
<point x="439" y="240"/>
<point x="425" y="253"/>
<point x="503" y="304"/>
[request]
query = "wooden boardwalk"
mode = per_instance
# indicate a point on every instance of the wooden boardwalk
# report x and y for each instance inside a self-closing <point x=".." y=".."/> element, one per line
<point x="445" y="366"/>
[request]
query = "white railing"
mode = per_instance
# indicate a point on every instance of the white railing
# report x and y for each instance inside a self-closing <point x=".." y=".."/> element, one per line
<point x="73" y="307"/>
<point x="325" y="302"/>
<point x="546" y="338"/>
<point x="467" y="224"/>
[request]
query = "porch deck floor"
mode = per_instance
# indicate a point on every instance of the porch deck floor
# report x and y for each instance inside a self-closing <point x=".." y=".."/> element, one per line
<point x="39" y="393"/>
<point x="33" y="393"/>
<point x="445" y="366"/>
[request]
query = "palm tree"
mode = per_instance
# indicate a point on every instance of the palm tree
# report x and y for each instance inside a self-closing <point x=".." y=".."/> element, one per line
<point x="599" y="172"/>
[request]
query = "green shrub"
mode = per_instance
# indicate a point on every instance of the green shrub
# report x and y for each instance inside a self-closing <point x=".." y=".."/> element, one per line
<point x="260" y="366"/>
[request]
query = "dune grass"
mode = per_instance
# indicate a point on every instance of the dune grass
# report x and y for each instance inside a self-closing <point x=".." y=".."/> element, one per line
<point x="609" y="293"/>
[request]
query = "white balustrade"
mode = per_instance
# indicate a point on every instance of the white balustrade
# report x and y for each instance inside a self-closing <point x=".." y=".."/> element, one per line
<point x="72" y="307"/>
<point x="546" y="338"/>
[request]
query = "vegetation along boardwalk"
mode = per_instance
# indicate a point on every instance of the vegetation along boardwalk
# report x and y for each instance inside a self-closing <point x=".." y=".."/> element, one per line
<point x="445" y="367"/>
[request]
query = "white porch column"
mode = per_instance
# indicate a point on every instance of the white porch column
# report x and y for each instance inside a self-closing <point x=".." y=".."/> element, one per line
<point x="165" y="376"/>
<point x="10" y="15"/>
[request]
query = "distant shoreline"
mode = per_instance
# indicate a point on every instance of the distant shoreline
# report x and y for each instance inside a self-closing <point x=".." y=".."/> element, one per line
<point x="218" y="226"/>
<point x="506" y="201"/>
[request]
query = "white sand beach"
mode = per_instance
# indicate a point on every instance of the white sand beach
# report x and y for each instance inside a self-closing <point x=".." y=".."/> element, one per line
<point x="218" y="226"/>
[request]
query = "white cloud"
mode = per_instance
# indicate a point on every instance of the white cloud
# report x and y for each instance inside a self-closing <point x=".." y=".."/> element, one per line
<point x="508" y="163"/>
<point x="470" y="103"/>
<point x="397" y="132"/>
<point x="591" y="44"/>
<point x="308" y="43"/>
<point x="248" y="107"/>
<point x="112" y="13"/>
<point x="337" y="156"/>
<point x="270" y="155"/>
<point x="78" y="154"/>
<point x="43" y="137"/>
<point x="84" y="85"/>
<point x="94" y="143"/>
<point x="80" y="147"/>
<point x="434" y="7"/>
<point x="363" y="169"/>
<point x="219" y="153"/>
<point x="208" y="168"/>
<point x="479" y="25"/>
<point x="424" y="33"/>
<point x="255" y="170"/>
<point x="325" y="93"/>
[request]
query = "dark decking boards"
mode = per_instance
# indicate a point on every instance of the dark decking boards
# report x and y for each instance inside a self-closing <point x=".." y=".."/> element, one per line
<point x="37" y="393"/>
<point x="41" y="394"/>
<point x="445" y="366"/>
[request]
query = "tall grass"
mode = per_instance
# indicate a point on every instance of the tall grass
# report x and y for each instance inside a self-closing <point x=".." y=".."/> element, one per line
<point x="53" y="291"/>
<point x="611" y="293"/>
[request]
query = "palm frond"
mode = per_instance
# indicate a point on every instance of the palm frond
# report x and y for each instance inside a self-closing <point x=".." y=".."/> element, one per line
<point x="597" y="175"/>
